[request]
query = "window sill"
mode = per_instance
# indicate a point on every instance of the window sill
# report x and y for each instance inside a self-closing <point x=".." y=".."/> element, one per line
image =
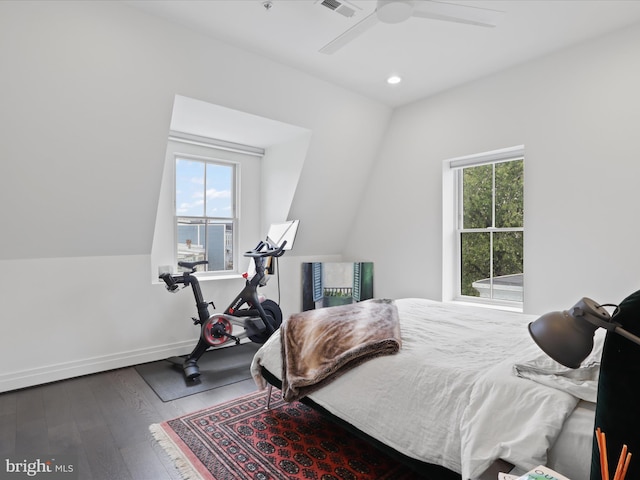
<point x="207" y="278"/>
<point x="223" y="276"/>
<point x="495" y="306"/>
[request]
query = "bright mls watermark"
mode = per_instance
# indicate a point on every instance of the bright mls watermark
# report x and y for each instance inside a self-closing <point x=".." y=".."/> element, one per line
<point x="50" y="467"/>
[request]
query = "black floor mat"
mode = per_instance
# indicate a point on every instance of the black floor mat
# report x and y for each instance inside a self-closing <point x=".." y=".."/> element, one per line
<point x="218" y="367"/>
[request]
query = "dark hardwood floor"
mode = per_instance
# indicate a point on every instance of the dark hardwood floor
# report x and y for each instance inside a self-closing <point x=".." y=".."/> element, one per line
<point x="103" y="420"/>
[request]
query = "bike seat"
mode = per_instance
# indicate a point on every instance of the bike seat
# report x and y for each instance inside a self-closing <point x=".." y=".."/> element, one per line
<point x="192" y="265"/>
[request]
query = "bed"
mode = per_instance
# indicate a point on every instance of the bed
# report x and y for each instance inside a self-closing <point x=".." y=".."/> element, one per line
<point x="467" y="388"/>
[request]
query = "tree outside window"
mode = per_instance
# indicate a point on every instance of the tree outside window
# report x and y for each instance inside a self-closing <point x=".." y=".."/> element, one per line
<point x="491" y="230"/>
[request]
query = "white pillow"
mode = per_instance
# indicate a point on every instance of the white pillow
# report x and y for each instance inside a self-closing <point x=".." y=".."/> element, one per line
<point x="580" y="382"/>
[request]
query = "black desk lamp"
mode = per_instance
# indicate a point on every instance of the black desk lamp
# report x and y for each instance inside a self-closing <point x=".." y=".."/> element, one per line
<point x="567" y="337"/>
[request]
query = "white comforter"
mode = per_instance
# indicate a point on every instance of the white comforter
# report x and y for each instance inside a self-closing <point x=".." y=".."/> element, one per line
<point x="450" y="396"/>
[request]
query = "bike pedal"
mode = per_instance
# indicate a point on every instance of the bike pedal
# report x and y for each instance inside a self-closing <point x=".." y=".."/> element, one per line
<point x="196" y="321"/>
<point x="233" y="337"/>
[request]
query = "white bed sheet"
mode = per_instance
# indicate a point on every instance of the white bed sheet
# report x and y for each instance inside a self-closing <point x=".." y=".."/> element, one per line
<point x="571" y="452"/>
<point x="449" y="397"/>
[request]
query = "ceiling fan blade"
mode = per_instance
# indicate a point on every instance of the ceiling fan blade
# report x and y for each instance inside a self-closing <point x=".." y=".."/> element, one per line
<point x="351" y="34"/>
<point x="457" y="13"/>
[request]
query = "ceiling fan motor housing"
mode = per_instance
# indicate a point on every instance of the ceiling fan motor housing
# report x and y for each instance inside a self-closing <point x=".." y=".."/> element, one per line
<point x="394" y="11"/>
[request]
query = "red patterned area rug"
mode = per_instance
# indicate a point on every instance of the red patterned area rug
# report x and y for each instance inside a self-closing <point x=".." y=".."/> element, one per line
<point x="241" y="440"/>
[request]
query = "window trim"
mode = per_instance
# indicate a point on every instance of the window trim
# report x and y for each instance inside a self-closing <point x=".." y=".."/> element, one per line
<point x="452" y="192"/>
<point x="215" y="144"/>
<point x="494" y="156"/>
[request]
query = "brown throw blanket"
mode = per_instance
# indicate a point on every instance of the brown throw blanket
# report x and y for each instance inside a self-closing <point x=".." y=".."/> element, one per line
<point x="319" y="345"/>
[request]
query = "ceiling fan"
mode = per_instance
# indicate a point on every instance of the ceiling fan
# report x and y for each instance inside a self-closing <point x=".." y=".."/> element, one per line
<point x="396" y="11"/>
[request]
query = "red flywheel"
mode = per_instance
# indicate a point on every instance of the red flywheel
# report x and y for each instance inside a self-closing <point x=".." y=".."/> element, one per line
<point x="214" y="329"/>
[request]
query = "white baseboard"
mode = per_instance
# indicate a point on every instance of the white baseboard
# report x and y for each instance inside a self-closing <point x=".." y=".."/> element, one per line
<point x="61" y="371"/>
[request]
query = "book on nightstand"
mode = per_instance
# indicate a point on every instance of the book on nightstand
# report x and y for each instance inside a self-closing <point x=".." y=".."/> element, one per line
<point x="539" y="473"/>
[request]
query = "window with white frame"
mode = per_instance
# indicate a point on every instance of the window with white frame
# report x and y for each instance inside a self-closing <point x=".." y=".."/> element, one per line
<point x="489" y="191"/>
<point x="206" y="211"/>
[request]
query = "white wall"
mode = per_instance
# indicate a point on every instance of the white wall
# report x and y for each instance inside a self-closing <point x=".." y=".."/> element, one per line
<point x="577" y="114"/>
<point x="87" y="92"/>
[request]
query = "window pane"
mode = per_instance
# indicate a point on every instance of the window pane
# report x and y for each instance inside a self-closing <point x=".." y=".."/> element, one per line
<point x="219" y="188"/>
<point x="475" y="265"/>
<point x="191" y="240"/>
<point x="220" y="246"/>
<point x="189" y="188"/>
<point x="508" y="266"/>
<point x="477" y="192"/>
<point x="509" y="194"/>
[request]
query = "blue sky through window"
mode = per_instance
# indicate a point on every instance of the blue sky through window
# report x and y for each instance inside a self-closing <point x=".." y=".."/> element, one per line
<point x="219" y="182"/>
<point x="195" y="180"/>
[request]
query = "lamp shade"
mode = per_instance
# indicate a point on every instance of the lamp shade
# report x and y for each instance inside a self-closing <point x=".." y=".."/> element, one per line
<point x="567" y="336"/>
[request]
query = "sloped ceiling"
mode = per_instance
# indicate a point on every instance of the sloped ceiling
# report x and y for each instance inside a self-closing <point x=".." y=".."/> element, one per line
<point x="431" y="55"/>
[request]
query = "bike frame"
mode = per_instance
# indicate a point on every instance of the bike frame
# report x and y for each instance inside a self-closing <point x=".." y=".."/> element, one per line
<point x="248" y="295"/>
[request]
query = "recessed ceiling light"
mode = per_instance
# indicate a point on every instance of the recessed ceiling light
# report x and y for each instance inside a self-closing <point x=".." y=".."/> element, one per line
<point x="394" y="80"/>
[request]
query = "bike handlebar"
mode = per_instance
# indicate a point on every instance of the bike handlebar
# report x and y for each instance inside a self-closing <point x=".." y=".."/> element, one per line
<point x="172" y="285"/>
<point x="185" y="278"/>
<point x="269" y="252"/>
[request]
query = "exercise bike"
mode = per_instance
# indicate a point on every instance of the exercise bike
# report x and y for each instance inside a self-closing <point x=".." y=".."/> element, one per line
<point x="258" y="316"/>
